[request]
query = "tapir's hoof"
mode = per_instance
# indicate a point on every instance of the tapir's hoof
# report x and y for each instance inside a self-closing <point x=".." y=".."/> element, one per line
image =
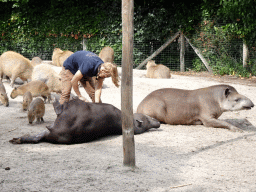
<point x="15" y="141"/>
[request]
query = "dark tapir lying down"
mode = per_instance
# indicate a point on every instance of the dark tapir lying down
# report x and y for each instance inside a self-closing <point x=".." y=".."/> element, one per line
<point x="78" y="122"/>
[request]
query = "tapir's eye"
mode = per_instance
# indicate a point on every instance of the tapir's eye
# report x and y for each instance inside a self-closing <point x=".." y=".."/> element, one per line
<point x="237" y="100"/>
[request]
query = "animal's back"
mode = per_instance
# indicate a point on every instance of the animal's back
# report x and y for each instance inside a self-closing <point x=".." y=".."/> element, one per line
<point x="87" y="121"/>
<point x="15" y="65"/>
<point x="43" y="72"/>
<point x="179" y="102"/>
<point x="157" y="71"/>
<point x="107" y="54"/>
<point x="162" y="72"/>
<point x="38" y="106"/>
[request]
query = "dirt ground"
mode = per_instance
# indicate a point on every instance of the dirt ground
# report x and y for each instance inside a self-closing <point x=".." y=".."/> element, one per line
<point x="171" y="158"/>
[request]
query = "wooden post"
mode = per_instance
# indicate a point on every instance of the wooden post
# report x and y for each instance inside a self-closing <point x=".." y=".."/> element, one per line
<point x="159" y="50"/>
<point x="245" y="54"/>
<point x="127" y="83"/>
<point x="84" y="44"/>
<point x="182" y="52"/>
<point x="198" y="52"/>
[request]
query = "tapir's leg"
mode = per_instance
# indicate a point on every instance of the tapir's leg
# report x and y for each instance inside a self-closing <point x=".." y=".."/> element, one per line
<point x="30" y="139"/>
<point x="220" y="124"/>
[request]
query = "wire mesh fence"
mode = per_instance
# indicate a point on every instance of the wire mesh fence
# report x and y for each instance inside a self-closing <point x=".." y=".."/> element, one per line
<point x="213" y="47"/>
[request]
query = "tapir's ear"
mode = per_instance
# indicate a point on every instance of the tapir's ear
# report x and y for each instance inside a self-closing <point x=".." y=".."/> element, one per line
<point x="58" y="108"/>
<point x="139" y="123"/>
<point x="227" y="92"/>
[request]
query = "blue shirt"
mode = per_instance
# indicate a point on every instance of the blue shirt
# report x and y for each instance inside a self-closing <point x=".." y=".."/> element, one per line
<point x="85" y="61"/>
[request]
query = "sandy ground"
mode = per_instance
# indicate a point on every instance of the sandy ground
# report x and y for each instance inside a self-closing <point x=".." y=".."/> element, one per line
<point x="171" y="158"/>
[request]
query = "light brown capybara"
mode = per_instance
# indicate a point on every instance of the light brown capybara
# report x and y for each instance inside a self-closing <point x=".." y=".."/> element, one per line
<point x="107" y="54"/>
<point x="15" y="65"/>
<point x="3" y="95"/>
<point x="36" y="111"/>
<point x="59" y="56"/>
<point x="47" y="74"/>
<point x="157" y="71"/>
<point x="36" y="61"/>
<point x="37" y="88"/>
<point x="27" y="99"/>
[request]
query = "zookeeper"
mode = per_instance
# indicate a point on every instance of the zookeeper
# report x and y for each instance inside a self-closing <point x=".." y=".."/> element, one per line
<point x="83" y="66"/>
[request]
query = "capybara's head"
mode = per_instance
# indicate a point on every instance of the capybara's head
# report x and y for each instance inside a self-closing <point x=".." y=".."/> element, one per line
<point x="150" y="64"/>
<point x="14" y="93"/>
<point x="233" y="101"/>
<point x="4" y="99"/>
<point x="36" y="61"/>
<point x="31" y="116"/>
<point x="25" y="105"/>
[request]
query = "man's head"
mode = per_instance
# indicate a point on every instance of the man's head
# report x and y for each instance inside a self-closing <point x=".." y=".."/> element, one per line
<point x="109" y="70"/>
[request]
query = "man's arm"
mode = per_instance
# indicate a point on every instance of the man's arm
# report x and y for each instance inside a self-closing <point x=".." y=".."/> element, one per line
<point x="74" y="82"/>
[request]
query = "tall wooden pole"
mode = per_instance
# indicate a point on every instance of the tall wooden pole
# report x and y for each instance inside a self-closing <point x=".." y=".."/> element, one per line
<point x="127" y="83"/>
<point x="182" y="52"/>
<point x="245" y="54"/>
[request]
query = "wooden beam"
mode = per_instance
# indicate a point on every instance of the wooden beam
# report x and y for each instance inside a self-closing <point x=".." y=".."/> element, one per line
<point x="198" y="52"/>
<point x="127" y="83"/>
<point x="159" y="50"/>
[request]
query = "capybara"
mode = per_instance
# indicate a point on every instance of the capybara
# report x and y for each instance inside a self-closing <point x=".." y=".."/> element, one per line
<point x="36" y="111"/>
<point x="27" y="99"/>
<point x="36" y="61"/>
<point x="194" y="107"/>
<point x="78" y="121"/>
<point x="3" y="95"/>
<point x="47" y="74"/>
<point x="157" y="71"/>
<point x="107" y="55"/>
<point x="59" y="56"/>
<point x="15" y="65"/>
<point x="37" y="88"/>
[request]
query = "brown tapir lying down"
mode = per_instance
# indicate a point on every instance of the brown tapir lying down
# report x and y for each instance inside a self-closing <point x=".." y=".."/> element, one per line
<point x="194" y="107"/>
<point x="78" y="122"/>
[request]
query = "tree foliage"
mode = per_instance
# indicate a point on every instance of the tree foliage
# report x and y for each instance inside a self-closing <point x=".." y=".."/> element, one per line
<point x="238" y="16"/>
<point x="39" y="26"/>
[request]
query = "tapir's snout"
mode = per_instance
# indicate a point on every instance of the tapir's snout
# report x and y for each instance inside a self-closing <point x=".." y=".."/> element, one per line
<point x="155" y="123"/>
<point x="249" y="105"/>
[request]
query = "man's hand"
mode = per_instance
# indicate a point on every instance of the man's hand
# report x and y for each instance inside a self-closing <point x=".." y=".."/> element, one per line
<point x="83" y="99"/>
